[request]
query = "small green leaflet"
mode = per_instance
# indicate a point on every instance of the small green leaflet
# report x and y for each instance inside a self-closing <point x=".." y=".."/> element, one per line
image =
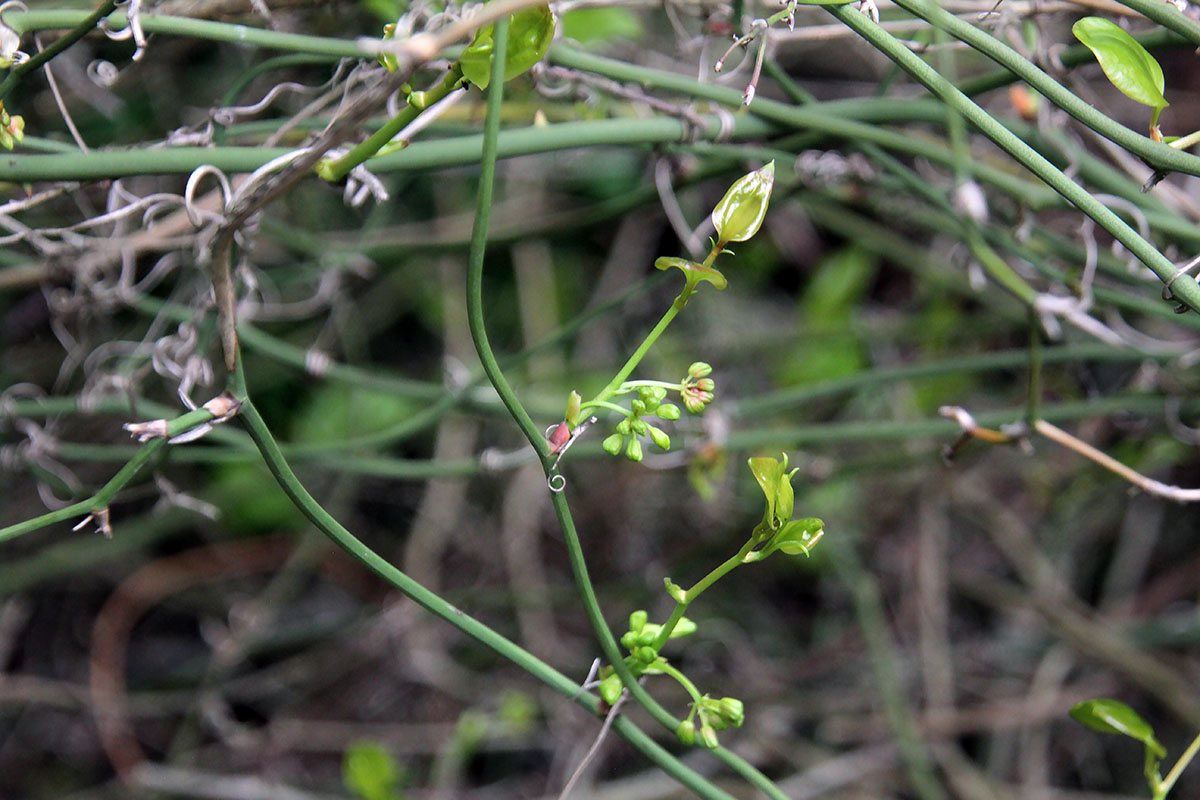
<point x="1123" y="59"/>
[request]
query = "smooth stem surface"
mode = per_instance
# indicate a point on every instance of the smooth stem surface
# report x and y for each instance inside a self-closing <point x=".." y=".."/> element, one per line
<point x="478" y="251"/>
<point x="35" y="20"/>
<point x="677" y="305"/>
<point x="370" y="146"/>
<point x="691" y="594"/>
<point x="1185" y="288"/>
<point x="1179" y="767"/>
<point x="77" y="32"/>
<point x="101" y="499"/>
<point x="1156" y="153"/>
<point x="308" y="505"/>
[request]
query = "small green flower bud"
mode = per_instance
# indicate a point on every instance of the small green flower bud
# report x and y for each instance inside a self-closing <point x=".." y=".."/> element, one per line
<point x="686" y="732"/>
<point x="638" y="407"/>
<point x="629" y="640"/>
<point x="693" y="404"/>
<point x="661" y="439"/>
<point x="612" y="444"/>
<point x="574" y="401"/>
<point x="623" y="426"/>
<point x="634" y="451"/>
<point x="706" y="384"/>
<point x="648" y="634"/>
<point x="741" y="211"/>
<point x="639" y="426"/>
<point x="646" y="655"/>
<point x="658" y="393"/>
<point x="668" y="411"/>
<point x="708" y="737"/>
<point x="732" y="711"/>
<point x="699" y="369"/>
<point x="637" y="620"/>
<point x="685" y="627"/>
<point x="610" y="689"/>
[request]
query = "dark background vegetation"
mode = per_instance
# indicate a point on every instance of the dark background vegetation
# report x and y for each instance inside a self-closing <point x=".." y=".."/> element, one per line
<point x="951" y="616"/>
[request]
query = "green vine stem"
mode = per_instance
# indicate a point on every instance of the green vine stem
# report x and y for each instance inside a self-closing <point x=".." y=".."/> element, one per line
<point x="615" y="385"/>
<point x="478" y="250"/>
<point x="433" y="603"/>
<point x="1177" y="770"/>
<point x="681" y="606"/>
<point x="1161" y="156"/>
<point x="79" y="29"/>
<point x="587" y="592"/>
<point x="370" y="146"/>
<point x="35" y="20"/>
<point x="99" y="502"/>
<point x="1185" y="288"/>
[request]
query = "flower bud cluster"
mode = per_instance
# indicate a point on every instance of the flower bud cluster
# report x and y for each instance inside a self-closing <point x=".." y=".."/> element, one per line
<point x="713" y="715"/>
<point x="649" y="402"/>
<point x="12" y="129"/>
<point x="698" y="388"/>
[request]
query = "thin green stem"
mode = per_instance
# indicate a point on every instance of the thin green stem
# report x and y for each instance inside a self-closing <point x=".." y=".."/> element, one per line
<point x="604" y="404"/>
<point x="26" y="21"/>
<point x="1185" y="759"/>
<point x="1184" y="288"/>
<point x="691" y="594"/>
<point x="680" y="678"/>
<point x="77" y="32"/>
<point x="614" y="386"/>
<point x="100" y="501"/>
<point x="478" y="251"/>
<point x="612" y="652"/>
<point x="630" y="386"/>
<point x="433" y="603"/>
<point x="369" y="147"/>
<point x="1159" y="155"/>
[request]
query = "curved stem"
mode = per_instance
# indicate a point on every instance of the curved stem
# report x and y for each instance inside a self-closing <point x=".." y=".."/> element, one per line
<point x="469" y="625"/>
<point x="479" y="232"/>
<point x="364" y="150"/>
<point x="78" y="30"/>
<point x="691" y="594"/>
<point x="1184" y="288"/>
<point x="1160" y="155"/>
<point x="101" y="499"/>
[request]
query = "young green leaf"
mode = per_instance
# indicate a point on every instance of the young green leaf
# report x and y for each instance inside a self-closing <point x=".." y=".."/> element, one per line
<point x="529" y="34"/>
<point x="1126" y="63"/>
<point x="370" y="772"/>
<point x="1111" y="716"/>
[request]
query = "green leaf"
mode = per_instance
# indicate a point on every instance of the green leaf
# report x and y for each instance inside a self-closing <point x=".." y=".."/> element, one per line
<point x="370" y="772"/>
<point x="529" y="34"/>
<point x="797" y="537"/>
<point x="1126" y="63"/>
<point x="696" y="273"/>
<point x="768" y="472"/>
<point x="1112" y="716"/>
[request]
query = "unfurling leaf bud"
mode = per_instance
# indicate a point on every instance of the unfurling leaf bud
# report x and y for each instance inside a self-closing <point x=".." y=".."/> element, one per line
<point x="741" y="211"/>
